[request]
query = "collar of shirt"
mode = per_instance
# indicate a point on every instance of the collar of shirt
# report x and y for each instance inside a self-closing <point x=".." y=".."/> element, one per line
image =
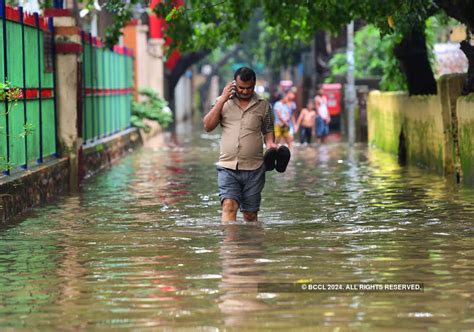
<point x="254" y="100"/>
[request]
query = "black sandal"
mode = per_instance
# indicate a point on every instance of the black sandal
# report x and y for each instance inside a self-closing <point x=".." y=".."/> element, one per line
<point x="282" y="158"/>
<point x="269" y="159"/>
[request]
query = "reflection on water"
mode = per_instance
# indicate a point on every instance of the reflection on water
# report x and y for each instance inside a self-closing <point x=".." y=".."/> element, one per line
<point x="141" y="247"/>
<point x="243" y="269"/>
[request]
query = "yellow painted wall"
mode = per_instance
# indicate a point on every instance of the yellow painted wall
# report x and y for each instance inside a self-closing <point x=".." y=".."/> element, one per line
<point x="418" y="117"/>
<point x="465" y="113"/>
<point x="429" y="124"/>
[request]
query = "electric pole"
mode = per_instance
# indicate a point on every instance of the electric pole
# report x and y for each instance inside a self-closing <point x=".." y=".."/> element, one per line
<point x="350" y="95"/>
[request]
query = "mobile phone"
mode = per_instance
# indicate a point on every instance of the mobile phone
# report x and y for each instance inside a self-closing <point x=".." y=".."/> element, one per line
<point x="233" y="90"/>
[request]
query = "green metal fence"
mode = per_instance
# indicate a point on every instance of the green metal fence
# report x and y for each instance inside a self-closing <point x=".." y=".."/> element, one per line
<point x="28" y="126"/>
<point x="107" y="89"/>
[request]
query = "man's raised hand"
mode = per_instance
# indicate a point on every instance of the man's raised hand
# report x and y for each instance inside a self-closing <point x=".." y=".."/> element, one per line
<point x="228" y="90"/>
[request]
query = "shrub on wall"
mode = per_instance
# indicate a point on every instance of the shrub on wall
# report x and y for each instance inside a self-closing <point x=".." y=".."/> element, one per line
<point x="153" y="107"/>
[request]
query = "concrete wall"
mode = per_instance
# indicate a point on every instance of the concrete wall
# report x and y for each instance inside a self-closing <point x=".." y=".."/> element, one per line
<point x="148" y="64"/>
<point x="102" y="154"/>
<point x="213" y="91"/>
<point x="435" y="131"/>
<point x="67" y="91"/>
<point x="40" y="185"/>
<point x="394" y="117"/>
<point x="465" y="114"/>
<point x="155" y="66"/>
<point x="183" y="96"/>
<point x="384" y="111"/>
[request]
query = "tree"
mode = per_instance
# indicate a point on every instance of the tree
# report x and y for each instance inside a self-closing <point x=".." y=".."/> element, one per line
<point x="373" y="58"/>
<point x="463" y="11"/>
<point x="211" y="23"/>
<point x="207" y="24"/>
<point x="252" y="52"/>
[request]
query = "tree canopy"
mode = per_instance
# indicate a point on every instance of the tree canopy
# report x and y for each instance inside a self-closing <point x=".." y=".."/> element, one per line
<point x="211" y="23"/>
<point x="208" y="24"/>
<point x="202" y="24"/>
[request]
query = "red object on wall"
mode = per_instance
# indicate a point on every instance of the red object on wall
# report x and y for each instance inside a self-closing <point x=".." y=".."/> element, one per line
<point x="333" y="94"/>
<point x="47" y="93"/>
<point x="157" y="25"/>
<point x="31" y="93"/>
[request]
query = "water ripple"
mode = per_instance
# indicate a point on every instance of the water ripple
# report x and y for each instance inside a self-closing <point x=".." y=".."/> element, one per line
<point x="141" y="247"/>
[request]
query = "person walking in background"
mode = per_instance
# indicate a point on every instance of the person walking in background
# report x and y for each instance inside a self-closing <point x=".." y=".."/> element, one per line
<point x="307" y="120"/>
<point x="275" y="96"/>
<point x="293" y="108"/>
<point x="323" y="118"/>
<point x="247" y="122"/>
<point x="283" y="118"/>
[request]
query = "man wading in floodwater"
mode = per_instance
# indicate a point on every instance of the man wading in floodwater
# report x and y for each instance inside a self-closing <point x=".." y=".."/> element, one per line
<point x="247" y="121"/>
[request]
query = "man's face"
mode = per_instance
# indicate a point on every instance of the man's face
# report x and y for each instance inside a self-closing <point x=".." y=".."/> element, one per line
<point x="244" y="90"/>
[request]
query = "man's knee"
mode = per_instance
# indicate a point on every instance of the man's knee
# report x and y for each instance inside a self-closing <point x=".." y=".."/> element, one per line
<point x="230" y="205"/>
<point x="250" y="216"/>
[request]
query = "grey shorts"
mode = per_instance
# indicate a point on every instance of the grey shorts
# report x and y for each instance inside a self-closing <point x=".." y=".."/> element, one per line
<point x="245" y="187"/>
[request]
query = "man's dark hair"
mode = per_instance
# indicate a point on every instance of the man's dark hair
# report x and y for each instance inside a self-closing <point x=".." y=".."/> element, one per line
<point x="246" y="74"/>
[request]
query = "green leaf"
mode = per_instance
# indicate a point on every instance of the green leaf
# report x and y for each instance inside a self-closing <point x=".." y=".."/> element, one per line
<point x="152" y="107"/>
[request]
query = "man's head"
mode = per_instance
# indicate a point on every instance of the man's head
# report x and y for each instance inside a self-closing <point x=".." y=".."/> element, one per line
<point x="245" y="79"/>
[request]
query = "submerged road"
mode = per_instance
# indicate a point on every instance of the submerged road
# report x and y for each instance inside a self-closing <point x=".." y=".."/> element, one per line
<point x="141" y="247"/>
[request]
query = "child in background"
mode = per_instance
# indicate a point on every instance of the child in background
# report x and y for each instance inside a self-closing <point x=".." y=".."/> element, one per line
<point x="323" y="118"/>
<point x="307" y="120"/>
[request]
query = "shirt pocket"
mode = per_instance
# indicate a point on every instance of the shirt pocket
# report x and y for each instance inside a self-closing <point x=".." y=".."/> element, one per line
<point x="254" y="121"/>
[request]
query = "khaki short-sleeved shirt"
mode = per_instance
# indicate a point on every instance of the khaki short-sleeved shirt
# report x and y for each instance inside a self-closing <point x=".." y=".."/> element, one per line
<point x="242" y="133"/>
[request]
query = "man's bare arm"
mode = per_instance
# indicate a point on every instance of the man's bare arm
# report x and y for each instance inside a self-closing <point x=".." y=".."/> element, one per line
<point x="270" y="140"/>
<point x="212" y="119"/>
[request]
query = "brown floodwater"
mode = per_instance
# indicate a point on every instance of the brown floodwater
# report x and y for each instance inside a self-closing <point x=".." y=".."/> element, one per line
<point x="141" y="247"/>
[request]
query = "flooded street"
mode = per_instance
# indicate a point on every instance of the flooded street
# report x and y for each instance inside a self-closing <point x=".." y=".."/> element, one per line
<point x="142" y="247"/>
